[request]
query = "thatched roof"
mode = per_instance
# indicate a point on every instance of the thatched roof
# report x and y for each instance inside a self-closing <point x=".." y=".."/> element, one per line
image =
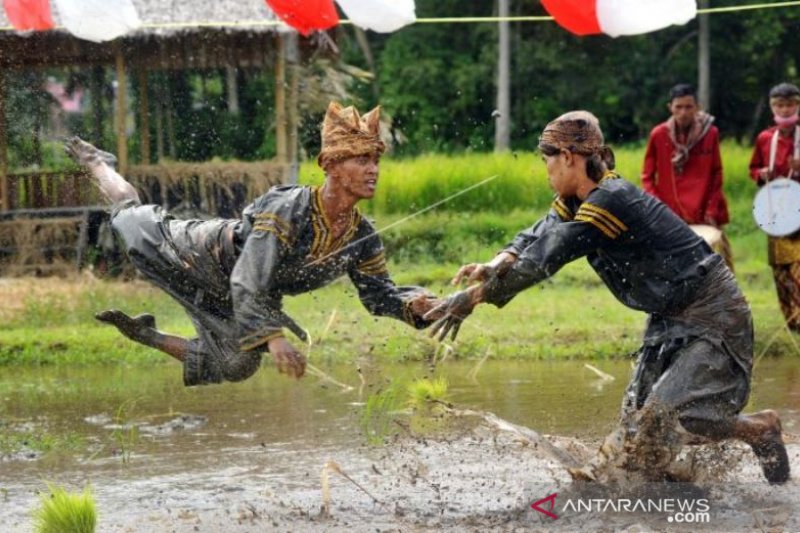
<point x="174" y="34"/>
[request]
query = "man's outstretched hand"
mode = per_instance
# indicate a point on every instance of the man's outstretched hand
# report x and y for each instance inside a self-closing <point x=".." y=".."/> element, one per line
<point x="423" y="304"/>
<point x="452" y="312"/>
<point x="288" y="360"/>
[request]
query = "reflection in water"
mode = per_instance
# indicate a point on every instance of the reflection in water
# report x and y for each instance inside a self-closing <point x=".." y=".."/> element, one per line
<point x="272" y="428"/>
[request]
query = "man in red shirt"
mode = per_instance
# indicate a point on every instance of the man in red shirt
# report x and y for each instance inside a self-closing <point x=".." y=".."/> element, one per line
<point x="683" y="167"/>
<point x="777" y="155"/>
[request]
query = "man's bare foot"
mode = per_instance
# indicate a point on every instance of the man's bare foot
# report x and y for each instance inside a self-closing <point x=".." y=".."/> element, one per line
<point x="769" y="446"/>
<point x="86" y="154"/>
<point x="140" y="328"/>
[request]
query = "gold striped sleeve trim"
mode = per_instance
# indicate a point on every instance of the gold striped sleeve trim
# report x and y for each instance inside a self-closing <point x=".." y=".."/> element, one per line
<point x="592" y="219"/>
<point x="614" y="221"/>
<point x="380" y="256"/>
<point x="280" y="222"/>
<point x="561" y="209"/>
<point x="374" y="265"/>
<point x="250" y="343"/>
<point x="374" y="271"/>
<point x="268" y="227"/>
<point x="609" y="175"/>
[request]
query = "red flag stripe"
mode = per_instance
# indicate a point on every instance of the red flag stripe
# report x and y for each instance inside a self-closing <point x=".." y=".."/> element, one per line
<point x="576" y="16"/>
<point x="306" y="15"/>
<point x="29" y="14"/>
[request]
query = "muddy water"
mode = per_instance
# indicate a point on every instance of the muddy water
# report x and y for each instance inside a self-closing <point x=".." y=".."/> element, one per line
<point x="248" y="456"/>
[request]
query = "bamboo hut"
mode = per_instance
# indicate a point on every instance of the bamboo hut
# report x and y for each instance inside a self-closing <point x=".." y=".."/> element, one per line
<point x="42" y="212"/>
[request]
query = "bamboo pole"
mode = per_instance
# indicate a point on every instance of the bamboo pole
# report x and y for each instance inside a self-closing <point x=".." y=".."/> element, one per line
<point x="4" y="200"/>
<point x="232" y="88"/>
<point x="281" y="144"/>
<point x="98" y="76"/>
<point x="144" y="116"/>
<point x="160" y="120"/>
<point x="122" y="141"/>
<point x="169" y="111"/>
<point x="703" y="58"/>
<point x="293" y="114"/>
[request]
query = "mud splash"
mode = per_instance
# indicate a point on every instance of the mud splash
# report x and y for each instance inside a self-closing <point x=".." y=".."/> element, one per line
<point x="250" y="457"/>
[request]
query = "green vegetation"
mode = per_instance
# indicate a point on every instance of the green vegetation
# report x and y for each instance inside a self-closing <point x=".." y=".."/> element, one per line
<point x="125" y="433"/>
<point x="412" y="184"/>
<point x="62" y="512"/>
<point x="50" y="321"/>
<point x="383" y="409"/>
<point x="377" y="414"/>
<point x="422" y="392"/>
<point x="13" y="441"/>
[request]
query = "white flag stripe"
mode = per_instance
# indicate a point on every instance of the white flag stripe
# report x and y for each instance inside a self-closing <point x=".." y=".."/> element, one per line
<point x="98" y="20"/>
<point x="632" y="17"/>
<point x="379" y="15"/>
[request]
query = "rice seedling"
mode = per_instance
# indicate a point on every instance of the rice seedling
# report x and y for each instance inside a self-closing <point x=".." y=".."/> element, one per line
<point x="125" y="434"/>
<point x="378" y="414"/>
<point x="61" y="511"/>
<point x="422" y="393"/>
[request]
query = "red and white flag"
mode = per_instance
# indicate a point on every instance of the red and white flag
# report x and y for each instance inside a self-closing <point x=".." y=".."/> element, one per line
<point x="619" y="17"/>
<point x="27" y="15"/>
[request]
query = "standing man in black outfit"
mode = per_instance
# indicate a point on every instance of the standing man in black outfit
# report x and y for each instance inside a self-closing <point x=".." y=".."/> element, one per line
<point x="694" y="367"/>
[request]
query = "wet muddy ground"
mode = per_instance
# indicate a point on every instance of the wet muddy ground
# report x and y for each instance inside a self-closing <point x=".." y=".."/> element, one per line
<point x="253" y="456"/>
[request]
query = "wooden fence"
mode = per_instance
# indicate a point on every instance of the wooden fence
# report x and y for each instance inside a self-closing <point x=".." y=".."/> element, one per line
<point x="54" y="216"/>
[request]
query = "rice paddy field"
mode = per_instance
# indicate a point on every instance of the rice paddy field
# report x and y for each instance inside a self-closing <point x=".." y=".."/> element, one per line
<point x="364" y="445"/>
<point x="50" y="320"/>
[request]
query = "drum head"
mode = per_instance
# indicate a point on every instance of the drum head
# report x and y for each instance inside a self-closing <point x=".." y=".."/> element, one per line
<point x="710" y="234"/>
<point x="776" y="207"/>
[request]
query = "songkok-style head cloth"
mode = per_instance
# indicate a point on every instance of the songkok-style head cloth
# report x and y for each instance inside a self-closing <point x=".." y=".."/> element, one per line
<point x="345" y="134"/>
<point x="576" y="131"/>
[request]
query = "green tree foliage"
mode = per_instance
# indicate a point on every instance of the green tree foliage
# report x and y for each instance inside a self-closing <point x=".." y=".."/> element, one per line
<point x="438" y="81"/>
<point x="438" y="84"/>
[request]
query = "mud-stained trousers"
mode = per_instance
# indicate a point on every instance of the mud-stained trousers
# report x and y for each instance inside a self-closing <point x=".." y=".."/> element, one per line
<point x="692" y="375"/>
<point x="182" y="258"/>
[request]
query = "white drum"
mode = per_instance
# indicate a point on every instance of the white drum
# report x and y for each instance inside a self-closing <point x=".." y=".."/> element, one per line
<point x="710" y="234"/>
<point x="776" y="207"/>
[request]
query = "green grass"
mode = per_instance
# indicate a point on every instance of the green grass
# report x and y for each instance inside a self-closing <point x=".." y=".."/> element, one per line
<point x="64" y="512"/>
<point x="573" y="315"/>
<point x="407" y="185"/>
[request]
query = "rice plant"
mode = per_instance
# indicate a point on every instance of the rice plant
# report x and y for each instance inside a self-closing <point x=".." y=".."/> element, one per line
<point x="410" y="184"/>
<point x="126" y="434"/>
<point x="65" y="512"/>
<point x="378" y="413"/>
<point x="422" y="392"/>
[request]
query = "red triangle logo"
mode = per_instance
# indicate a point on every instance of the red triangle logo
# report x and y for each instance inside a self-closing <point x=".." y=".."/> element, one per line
<point x="536" y="506"/>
